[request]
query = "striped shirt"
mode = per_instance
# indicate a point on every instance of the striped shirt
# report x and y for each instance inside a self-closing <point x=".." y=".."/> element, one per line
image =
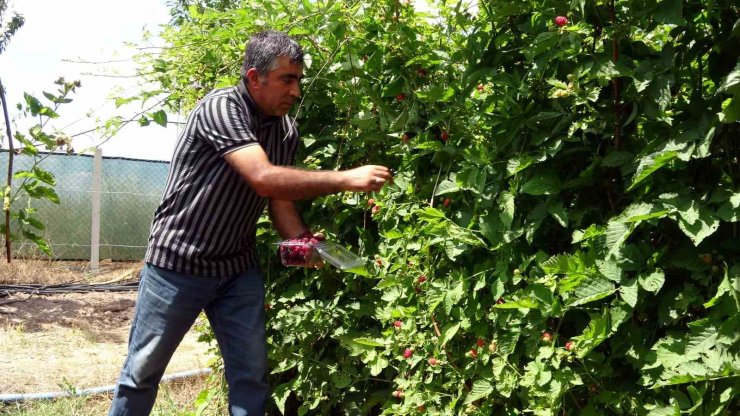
<point x="205" y="223"/>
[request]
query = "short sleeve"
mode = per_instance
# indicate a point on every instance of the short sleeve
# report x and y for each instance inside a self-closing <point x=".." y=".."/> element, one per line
<point x="225" y="125"/>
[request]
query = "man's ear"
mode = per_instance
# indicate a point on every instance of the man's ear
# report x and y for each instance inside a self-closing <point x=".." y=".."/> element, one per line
<point x="253" y="78"/>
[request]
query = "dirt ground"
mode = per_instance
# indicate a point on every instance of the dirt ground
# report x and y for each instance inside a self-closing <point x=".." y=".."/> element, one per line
<point x="71" y="340"/>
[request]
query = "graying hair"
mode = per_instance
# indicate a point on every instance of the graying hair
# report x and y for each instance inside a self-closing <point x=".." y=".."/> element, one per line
<point x="264" y="48"/>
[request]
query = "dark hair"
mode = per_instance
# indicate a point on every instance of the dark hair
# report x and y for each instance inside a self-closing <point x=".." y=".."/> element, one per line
<point x="264" y="48"/>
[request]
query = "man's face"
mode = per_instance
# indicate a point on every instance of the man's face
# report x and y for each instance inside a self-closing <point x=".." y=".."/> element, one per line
<point x="276" y="92"/>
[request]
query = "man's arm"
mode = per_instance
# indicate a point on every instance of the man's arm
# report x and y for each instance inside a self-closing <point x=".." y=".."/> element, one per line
<point x="286" y="183"/>
<point x="285" y="218"/>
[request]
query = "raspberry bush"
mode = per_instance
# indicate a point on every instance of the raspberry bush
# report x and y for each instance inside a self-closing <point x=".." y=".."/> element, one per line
<point x="561" y="235"/>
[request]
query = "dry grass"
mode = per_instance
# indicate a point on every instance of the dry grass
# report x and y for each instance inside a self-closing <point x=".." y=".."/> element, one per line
<point x="78" y="340"/>
<point x="52" y="272"/>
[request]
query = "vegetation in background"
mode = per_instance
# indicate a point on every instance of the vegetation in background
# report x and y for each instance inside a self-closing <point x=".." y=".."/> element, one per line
<point x="562" y="233"/>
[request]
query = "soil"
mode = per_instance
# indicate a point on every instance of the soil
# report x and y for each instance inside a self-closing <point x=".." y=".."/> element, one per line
<point x="71" y="340"/>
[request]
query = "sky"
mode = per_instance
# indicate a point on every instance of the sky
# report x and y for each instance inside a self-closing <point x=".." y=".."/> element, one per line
<point x="56" y="37"/>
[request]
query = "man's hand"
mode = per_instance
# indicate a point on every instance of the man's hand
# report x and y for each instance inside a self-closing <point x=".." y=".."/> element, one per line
<point x="366" y="178"/>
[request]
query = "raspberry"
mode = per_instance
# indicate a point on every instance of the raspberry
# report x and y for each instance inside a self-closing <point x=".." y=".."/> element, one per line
<point x="445" y="136"/>
<point x="407" y="353"/>
<point x="570" y="345"/>
<point x="480" y="342"/>
<point x="398" y="324"/>
<point x="561" y="21"/>
<point x="370" y="202"/>
<point x="433" y="361"/>
<point x="473" y="353"/>
<point x="546" y="337"/>
<point x="376" y="209"/>
<point x="422" y="279"/>
<point x="400" y="97"/>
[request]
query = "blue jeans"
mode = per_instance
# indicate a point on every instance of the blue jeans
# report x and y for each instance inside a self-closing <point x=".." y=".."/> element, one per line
<point x="167" y="305"/>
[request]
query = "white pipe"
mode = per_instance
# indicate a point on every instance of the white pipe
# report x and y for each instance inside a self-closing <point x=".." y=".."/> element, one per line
<point x="93" y="390"/>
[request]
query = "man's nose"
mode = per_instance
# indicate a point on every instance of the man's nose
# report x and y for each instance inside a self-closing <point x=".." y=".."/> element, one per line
<point x="295" y="91"/>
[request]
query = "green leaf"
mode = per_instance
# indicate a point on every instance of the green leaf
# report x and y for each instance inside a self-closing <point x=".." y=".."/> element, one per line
<point x="698" y="227"/>
<point x="730" y="284"/>
<point x="650" y="164"/>
<point x="448" y="333"/>
<point x="653" y="281"/>
<point x="281" y="394"/>
<point x="42" y="192"/>
<point x="731" y="83"/>
<point x="159" y="117"/>
<point x="560" y="214"/>
<point x="542" y="183"/>
<point x="44" y="176"/>
<point x="34" y="105"/>
<point x="596" y="332"/>
<point x="629" y="292"/>
<point x="523" y="303"/>
<point x="446" y="187"/>
<point x="591" y="289"/>
<point x="616" y="234"/>
<point x="40" y="242"/>
<point x="481" y="389"/>
<point x="669" y="12"/>
<point x="368" y="342"/>
<point x="561" y="264"/>
<point x="508" y="205"/>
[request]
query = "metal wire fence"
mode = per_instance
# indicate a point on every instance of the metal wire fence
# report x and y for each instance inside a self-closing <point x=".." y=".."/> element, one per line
<point x="130" y="192"/>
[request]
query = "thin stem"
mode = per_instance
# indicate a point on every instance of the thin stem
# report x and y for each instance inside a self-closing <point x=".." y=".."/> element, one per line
<point x="615" y="81"/>
<point x="11" y="154"/>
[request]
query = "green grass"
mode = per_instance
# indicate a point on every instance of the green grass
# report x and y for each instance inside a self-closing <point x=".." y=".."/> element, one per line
<point x="175" y="398"/>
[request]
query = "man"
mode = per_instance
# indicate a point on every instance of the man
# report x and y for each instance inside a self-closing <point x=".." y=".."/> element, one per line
<point x="231" y="160"/>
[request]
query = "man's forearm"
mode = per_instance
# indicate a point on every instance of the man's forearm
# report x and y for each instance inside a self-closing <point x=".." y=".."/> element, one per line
<point x="291" y="183"/>
<point x="285" y="218"/>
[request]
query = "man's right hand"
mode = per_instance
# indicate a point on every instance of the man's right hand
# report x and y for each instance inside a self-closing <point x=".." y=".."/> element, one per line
<point x="366" y="178"/>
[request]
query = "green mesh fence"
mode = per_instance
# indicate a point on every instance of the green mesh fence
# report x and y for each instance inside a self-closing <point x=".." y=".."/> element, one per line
<point x="130" y="192"/>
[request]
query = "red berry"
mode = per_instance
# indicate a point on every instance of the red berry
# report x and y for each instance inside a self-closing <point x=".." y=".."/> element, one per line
<point x="473" y="353"/>
<point x="446" y="202"/>
<point x="481" y="87"/>
<point x="379" y="262"/>
<point x="480" y="342"/>
<point x="433" y="361"/>
<point x="398" y="393"/>
<point x="376" y="209"/>
<point x="445" y="136"/>
<point x="570" y="345"/>
<point x="408" y="352"/>
<point x="546" y="337"/>
<point x="370" y="202"/>
<point x="400" y="97"/>
<point x="398" y="324"/>
<point x="561" y="21"/>
<point x="422" y="279"/>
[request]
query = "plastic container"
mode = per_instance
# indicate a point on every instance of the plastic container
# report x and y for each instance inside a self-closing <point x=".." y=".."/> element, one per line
<point x="299" y="253"/>
<point x="308" y="254"/>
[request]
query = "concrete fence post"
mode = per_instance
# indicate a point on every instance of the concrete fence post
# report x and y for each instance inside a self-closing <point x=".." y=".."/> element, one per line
<point x="95" y="226"/>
